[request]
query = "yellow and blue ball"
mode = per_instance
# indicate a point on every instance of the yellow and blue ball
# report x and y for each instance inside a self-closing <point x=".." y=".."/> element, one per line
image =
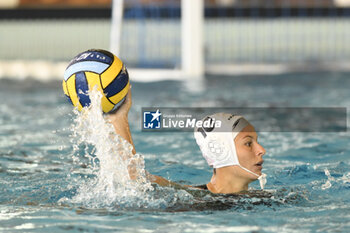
<point x="96" y="68"/>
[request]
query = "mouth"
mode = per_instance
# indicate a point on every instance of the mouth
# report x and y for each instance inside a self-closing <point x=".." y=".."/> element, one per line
<point x="259" y="164"/>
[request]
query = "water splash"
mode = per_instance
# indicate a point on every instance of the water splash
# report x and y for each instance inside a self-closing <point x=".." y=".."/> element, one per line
<point x="110" y="183"/>
<point x="328" y="183"/>
<point x="336" y="180"/>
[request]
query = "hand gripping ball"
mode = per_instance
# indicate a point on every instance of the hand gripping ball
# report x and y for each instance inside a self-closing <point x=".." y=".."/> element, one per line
<point x="100" y="69"/>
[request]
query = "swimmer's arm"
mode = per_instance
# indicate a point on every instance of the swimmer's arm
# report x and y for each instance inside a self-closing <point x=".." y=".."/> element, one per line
<point x="159" y="180"/>
<point x="119" y="120"/>
<point x="162" y="181"/>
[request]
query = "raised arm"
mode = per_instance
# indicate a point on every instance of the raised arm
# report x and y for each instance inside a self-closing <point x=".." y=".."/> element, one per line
<point x="120" y="121"/>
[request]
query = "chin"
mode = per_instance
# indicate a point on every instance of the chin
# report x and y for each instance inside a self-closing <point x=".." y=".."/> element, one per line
<point x="258" y="171"/>
<point x="253" y="177"/>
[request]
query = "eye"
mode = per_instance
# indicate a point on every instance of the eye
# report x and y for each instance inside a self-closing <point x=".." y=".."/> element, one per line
<point x="249" y="144"/>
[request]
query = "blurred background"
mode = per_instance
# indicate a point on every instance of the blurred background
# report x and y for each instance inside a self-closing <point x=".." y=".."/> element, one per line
<point x="239" y="36"/>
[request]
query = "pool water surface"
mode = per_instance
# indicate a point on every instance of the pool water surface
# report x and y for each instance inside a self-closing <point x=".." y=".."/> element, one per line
<point x="47" y="183"/>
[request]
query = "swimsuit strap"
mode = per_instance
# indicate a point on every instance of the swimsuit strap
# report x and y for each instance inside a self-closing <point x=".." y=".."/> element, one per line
<point x="203" y="186"/>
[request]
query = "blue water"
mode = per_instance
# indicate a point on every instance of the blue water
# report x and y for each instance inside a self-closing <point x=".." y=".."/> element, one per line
<point x="43" y="169"/>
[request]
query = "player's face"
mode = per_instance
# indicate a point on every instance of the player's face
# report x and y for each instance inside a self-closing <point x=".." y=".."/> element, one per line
<point x="249" y="151"/>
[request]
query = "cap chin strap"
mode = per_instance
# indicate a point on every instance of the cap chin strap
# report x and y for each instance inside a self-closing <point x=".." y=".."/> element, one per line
<point x="262" y="178"/>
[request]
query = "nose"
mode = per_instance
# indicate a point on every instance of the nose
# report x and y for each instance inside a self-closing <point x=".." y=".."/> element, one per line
<point x="260" y="151"/>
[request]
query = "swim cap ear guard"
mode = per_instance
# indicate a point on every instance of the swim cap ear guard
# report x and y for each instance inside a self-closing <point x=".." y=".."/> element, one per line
<point x="217" y="143"/>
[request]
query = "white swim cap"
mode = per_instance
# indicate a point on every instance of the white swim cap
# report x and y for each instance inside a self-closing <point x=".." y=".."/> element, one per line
<point x="217" y="143"/>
